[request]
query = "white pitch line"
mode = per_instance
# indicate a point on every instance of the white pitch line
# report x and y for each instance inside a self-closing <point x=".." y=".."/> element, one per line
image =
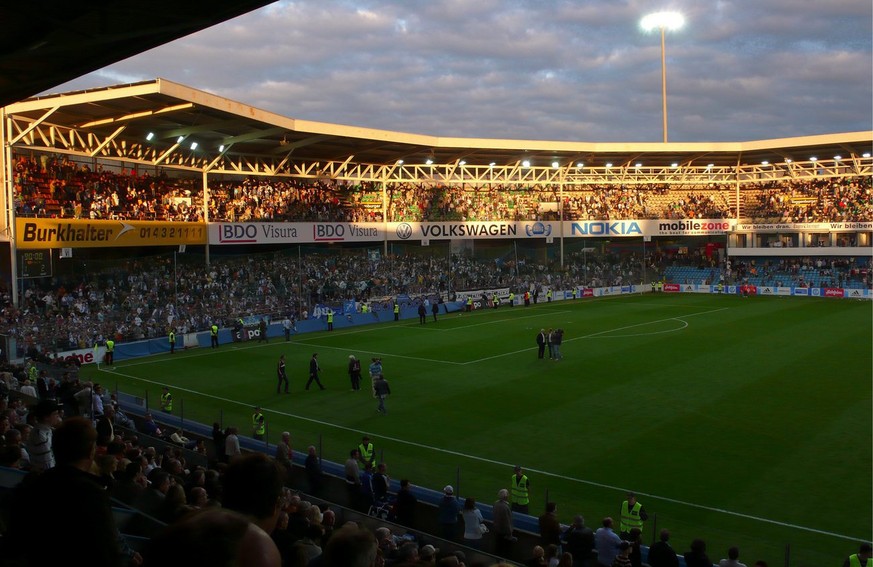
<point x="384" y="354"/>
<point x="506" y="464"/>
<point x="545" y="313"/>
<point x="647" y="323"/>
<point x="593" y="335"/>
<point x="318" y="345"/>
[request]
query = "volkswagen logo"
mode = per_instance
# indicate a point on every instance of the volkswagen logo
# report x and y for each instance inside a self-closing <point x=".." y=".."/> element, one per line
<point x="404" y="231"/>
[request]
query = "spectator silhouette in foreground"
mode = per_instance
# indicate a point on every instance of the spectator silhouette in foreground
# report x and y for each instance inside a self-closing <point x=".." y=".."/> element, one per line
<point x="578" y="540"/>
<point x="253" y="487"/>
<point x="607" y="543"/>
<point x="214" y="537"/>
<point x="733" y="559"/>
<point x="661" y="554"/>
<point x="350" y="546"/>
<point x="697" y="557"/>
<point x="64" y="516"/>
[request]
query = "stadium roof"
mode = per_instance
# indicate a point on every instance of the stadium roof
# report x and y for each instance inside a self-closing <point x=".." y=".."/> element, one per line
<point x="156" y="122"/>
<point x="48" y="42"/>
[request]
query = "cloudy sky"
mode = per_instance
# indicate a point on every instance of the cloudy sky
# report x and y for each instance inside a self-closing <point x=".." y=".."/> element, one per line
<point x="579" y="70"/>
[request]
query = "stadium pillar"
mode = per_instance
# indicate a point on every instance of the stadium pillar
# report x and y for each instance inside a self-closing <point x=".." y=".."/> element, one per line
<point x="8" y="204"/>
<point x="206" y="210"/>
<point x="561" y="217"/>
<point x="385" y="218"/>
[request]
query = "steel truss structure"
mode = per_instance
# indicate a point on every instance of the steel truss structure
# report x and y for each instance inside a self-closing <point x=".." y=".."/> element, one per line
<point x="160" y="124"/>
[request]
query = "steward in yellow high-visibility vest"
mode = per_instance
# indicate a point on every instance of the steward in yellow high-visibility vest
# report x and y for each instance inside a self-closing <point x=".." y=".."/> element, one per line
<point x="172" y="339"/>
<point x="519" y="491"/>
<point x="110" y="351"/>
<point x="213" y="336"/>
<point x="167" y="401"/>
<point x="259" y="425"/>
<point x="396" y="311"/>
<point x="860" y="559"/>
<point x="368" y="453"/>
<point x="632" y="516"/>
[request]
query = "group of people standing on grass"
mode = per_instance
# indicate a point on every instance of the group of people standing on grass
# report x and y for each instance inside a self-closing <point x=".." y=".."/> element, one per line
<point x="552" y="340"/>
<point x="381" y="389"/>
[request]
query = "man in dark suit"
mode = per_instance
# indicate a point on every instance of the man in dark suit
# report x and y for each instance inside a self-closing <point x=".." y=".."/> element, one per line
<point x="541" y="343"/>
<point x="314" y="369"/>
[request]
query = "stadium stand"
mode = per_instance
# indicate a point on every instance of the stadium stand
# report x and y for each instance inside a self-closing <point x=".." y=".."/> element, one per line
<point x="51" y="186"/>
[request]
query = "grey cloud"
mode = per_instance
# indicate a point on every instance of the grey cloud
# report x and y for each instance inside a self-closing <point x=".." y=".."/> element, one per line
<point x="563" y="70"/>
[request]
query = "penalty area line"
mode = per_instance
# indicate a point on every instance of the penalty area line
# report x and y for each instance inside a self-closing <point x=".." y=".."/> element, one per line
<point x="597" y="334"/>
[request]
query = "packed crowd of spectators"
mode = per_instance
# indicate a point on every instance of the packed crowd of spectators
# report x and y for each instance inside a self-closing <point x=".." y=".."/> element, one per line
<point x="49" y="186"/>
<point x="57" y="187"/>
<point x="848" y="199"/>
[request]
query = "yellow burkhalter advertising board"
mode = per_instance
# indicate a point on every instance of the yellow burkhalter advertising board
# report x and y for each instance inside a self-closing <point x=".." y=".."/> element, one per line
<point x="77" y="233"/>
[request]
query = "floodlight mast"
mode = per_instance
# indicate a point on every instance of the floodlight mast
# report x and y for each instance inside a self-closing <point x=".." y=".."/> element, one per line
<point x="663" y="21"/>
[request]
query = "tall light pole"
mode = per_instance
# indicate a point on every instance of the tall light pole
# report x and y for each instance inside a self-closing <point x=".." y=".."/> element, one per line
<point x="663" y="21"/>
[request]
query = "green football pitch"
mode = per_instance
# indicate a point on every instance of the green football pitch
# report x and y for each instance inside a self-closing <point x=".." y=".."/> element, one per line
<point x="742" y="421"/>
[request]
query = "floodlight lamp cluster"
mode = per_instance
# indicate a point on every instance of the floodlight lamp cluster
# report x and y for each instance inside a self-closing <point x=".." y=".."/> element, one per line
<point x="669" y="21"/>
